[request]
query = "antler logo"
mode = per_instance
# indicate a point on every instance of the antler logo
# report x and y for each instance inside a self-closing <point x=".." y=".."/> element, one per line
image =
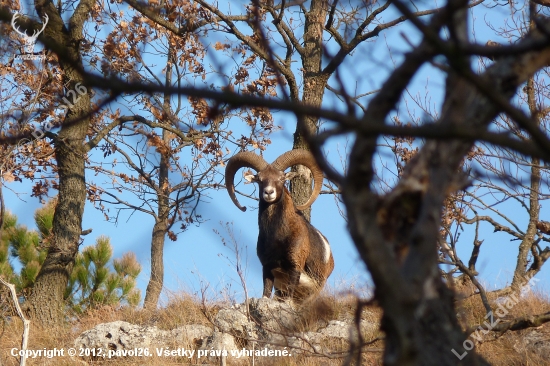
<point x="29" y="40"/>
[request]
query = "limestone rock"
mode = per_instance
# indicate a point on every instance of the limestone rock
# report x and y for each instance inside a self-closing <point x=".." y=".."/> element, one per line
<point x="122" y="335"/>
<point x="278" y="324"/>
<point x="274" y="315"/>
<point x="536" y="341"/>
<point x="264" y="324"/>
<point x="219" y="341"/>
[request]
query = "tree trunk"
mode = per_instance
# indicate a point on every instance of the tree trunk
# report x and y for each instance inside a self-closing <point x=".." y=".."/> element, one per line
<point x="402" y="228"/>
<point x="313" y="90"/>
<point x="154" y="287"/>
<point x="46" y="303"/>
<point x="397" y="233"/>
<point x="526" y="246"/>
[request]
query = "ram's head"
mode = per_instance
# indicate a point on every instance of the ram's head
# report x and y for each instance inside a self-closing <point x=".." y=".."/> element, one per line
<point x="271" y="177"/>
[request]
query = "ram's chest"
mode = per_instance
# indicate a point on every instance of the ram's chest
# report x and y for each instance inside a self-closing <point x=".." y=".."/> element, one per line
<point x="274" y="245"/>
<point x="275" y="241"/>
<point x="273" y="222"/>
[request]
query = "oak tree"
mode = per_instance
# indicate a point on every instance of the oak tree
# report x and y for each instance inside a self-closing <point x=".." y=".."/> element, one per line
<point x="398" y="231"/>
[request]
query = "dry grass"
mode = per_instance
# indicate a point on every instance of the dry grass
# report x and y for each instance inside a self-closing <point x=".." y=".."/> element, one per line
<point x="509" y="348"/>
<point x="182" y="309"/>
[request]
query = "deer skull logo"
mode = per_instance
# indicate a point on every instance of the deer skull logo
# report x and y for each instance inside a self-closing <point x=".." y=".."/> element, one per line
<point x="29" y="40"/>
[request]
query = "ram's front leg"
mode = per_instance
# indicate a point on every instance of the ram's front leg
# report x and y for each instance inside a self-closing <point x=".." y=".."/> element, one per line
<point x="268" y="281"/>
<point x="293" y="281"/>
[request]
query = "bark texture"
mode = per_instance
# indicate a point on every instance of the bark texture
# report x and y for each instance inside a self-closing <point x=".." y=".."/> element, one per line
<point x="315" y="81"/>
<point x="154" y="287"/>
<point x="46" y="303"/>
<point x="529" y="242"/>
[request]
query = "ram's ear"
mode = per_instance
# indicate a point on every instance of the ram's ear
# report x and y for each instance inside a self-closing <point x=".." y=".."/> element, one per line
<point x="250" y="178"/>
<point x="290" y="175"/>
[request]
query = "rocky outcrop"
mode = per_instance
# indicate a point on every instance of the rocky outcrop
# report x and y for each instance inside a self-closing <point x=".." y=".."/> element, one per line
<point x="535" y="341"/>
<point x="121" y="335"/>
<point x="264" y="325"/>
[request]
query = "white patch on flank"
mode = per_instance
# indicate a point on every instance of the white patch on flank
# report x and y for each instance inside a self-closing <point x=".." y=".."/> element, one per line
<point x="306" y="281"/>
<point x="281" y="280"/>
<point x="327" y="247"/>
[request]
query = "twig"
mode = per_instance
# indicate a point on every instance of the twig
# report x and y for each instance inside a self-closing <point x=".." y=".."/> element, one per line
<point x="26" y="322"/>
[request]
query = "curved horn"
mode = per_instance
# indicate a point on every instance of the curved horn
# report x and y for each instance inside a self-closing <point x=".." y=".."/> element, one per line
<point x="241" y="160"/>
<point x="303" y="157"/>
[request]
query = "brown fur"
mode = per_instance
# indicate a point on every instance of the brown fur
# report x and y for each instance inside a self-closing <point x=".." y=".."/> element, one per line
<point x="285" y="250"/>
<point x="296" y="258"/>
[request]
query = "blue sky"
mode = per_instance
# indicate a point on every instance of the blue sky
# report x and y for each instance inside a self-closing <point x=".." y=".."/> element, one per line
<point x="197" y="257"/>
